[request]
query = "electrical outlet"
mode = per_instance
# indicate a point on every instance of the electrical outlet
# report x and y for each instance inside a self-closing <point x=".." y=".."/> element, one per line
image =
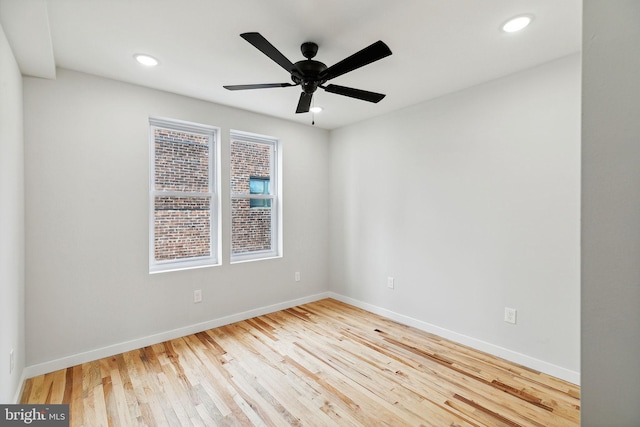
<point x="197" y="296"/>
<point x="510" y="315"/>
<point x="391" y="282"/>
<point x="12" y="361"/>
<point x="297" y="276"/>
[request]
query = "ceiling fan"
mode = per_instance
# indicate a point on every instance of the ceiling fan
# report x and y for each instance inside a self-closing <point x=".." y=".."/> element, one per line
<point x="311" y="74"/>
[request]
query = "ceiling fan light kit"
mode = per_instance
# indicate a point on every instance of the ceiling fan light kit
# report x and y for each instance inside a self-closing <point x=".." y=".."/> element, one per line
<point x="310" y="74"/>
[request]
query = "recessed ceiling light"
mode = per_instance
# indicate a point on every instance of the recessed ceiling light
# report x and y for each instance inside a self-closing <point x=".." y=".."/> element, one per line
<point x="315" y="109"/>
<point x="517" y="23"/>
<point x="147" y="60"/>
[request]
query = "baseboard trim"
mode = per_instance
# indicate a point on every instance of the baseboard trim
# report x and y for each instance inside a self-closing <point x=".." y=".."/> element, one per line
<point x="504" y="353"/>
<point x="99" y="353"/>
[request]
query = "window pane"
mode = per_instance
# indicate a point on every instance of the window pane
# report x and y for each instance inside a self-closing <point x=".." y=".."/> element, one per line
<point x="250" y="163"/>
<point x="251" y="228"/>
<point x="182" y="227"/>
<point x="181" y="161"/>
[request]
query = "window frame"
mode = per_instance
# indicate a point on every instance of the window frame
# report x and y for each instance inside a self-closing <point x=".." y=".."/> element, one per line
<point x="213" y="193"/>
<point x="275" y="188"/>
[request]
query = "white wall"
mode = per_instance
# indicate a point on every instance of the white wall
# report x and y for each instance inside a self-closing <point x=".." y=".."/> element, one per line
<point x="87" y="159"/>
<point x="12" y="228"/>
<point x="611" y="214"/>
<point x="472" y="202"/>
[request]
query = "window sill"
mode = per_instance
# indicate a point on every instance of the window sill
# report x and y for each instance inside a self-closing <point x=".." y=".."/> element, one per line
<point x="242" y="258"/>
<point x="177" y="267"/>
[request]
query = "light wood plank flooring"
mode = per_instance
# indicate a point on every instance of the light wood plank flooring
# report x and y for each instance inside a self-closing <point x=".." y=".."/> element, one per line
<point x="319" y="364"/>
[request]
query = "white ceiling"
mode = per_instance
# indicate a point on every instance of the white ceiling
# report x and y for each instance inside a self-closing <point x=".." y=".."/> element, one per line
<point x="439" y="46"/>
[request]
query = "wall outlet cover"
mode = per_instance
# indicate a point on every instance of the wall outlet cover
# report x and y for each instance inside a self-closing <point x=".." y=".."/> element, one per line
<point x="510" y="315"/>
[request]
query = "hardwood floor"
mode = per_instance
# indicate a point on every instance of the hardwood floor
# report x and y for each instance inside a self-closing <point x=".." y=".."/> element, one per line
<point x="319" y="364"/>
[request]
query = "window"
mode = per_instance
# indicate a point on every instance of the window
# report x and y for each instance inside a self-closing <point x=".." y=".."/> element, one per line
<point x="183" y="224"/>
<point x="255" y="203"/>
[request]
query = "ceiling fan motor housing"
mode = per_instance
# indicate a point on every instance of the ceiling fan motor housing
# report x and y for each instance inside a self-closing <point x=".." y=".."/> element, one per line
<point x="307" y="74"/>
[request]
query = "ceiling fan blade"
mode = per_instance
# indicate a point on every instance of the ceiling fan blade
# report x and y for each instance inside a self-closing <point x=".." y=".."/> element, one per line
<point x="369" y="54"/>
<point x="257" y="86"/>
<point x="268" y="49"/>
<point x="355" y="93"/>
<point x="304" y="103"/>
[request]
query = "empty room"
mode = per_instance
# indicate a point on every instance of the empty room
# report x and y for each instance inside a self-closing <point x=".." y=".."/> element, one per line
<point x="320" y="213"/>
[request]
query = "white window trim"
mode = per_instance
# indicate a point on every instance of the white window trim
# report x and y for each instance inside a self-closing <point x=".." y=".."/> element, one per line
<point x="276" y="198"/>
<point x="213" y="134"/>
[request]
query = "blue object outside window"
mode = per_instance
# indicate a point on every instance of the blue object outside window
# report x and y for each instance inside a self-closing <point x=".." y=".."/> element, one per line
<point x="259" y="186"/>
